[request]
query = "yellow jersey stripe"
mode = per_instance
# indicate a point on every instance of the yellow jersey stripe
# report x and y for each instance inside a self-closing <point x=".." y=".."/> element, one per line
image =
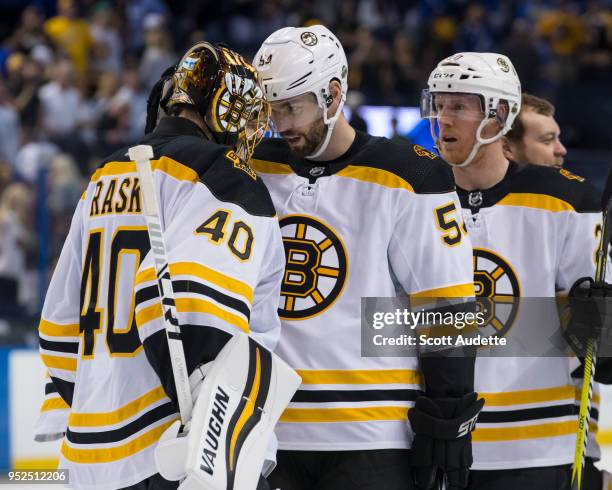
<point x="554" y="429"/>
<point x="596" y="397"/>
<point x="529" y="396"/>
<point x="119" y="415"/>
<point x="455" y="291"/>
<point x="536" y="201"/>
<point x="201" y="271"/>
<point x="54" y="404"/>
<point x="192" y="305"/>
<point x="107" y="455"/>
<point x="604" y="437"/>
<point x="185" y="305"/>
<point x="150" y="313"/>
<point x="51" y="329"/>
<point x="344" y="414"/>
<point x="57" y="362"/>
<point x="165" y="164"/>
<point x="375" y="176"/>
<point x="266" y="167"/>
<point x="359" y="377"/>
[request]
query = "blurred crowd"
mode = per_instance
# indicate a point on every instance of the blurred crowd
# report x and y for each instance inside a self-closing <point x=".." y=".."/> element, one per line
<point x="74" y="78"/>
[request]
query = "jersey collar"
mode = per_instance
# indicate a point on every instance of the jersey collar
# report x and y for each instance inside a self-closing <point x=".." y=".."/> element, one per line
<point x="312" y="169"/>
<point x="484" y="198"/>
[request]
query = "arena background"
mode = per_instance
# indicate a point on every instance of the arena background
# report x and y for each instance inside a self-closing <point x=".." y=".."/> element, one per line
<point x="74" y="78"/>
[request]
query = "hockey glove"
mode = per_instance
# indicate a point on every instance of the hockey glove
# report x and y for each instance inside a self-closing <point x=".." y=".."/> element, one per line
<point x="442" y="439"/>
<point x="590" y="307"/>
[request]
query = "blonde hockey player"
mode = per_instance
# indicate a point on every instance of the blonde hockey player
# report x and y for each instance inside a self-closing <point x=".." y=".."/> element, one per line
<point x="102" y="333"/>
<point x="534" y="232"/>
<point x="360" y="216"/>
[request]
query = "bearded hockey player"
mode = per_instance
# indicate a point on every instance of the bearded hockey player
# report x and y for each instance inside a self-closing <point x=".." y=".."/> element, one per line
<point x="360" y="216"/>
<point x="102" y="333"/>
<point x="534" y="232"/>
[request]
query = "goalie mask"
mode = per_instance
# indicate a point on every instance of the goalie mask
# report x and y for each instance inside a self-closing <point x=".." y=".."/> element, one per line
<point x="225" y="91"/>
<point x="488" y="78"/>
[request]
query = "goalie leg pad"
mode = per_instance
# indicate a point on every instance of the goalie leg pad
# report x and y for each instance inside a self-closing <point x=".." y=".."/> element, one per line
<point x="242" y="397"/>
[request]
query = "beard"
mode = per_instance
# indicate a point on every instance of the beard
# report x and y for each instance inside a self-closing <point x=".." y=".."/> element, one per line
<point x="312" y="139"/>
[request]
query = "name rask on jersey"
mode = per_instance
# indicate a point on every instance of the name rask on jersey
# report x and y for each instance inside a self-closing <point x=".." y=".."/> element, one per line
<point x="116" y="196"/>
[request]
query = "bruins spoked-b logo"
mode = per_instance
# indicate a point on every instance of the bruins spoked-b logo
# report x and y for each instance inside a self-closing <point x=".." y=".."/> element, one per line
<point x="309" y="38"/>
<point x="497" y="290"/>
<point x="316" y="267"/>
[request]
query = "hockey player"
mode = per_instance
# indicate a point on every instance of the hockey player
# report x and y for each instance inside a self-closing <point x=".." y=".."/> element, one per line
<point x="525" y="436"/>
<point x="101" y="333"/>
<point x="534" y="138"/>
<point x="359" y="215"/>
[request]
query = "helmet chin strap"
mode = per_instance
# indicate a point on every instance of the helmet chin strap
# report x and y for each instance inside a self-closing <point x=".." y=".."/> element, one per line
<point x="330" y="123"/>
<point x="480" y="141"/>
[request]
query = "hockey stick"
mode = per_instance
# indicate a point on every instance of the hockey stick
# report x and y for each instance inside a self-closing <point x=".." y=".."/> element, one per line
<point x="586" y="394"/>
<point x="142" y="155"/>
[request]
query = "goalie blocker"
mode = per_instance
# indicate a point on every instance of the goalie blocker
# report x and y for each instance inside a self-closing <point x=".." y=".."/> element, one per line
<point x="239" y="402"/>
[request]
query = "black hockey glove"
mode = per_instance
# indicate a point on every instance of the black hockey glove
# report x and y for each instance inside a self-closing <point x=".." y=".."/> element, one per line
<point x="263" y="484"/>
<point x="442" y="439"/>
<point x="590" y="316"/>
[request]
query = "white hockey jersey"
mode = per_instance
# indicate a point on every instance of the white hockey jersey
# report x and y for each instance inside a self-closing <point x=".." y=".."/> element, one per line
<point x="383" y="214"/>
<point x="226" y="260"/>
<point x="534" y="234"/>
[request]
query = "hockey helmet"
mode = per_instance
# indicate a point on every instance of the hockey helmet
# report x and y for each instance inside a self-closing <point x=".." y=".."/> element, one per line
<point x="225" y="91"/>
<point x="490" y="76"/>
<point x="299" y="61"/>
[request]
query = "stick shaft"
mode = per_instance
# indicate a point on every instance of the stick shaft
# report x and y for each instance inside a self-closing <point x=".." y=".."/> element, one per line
<point x="150" y="206"/>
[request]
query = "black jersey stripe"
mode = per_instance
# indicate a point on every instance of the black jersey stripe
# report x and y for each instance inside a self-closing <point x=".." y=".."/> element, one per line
<point x="147" y="294"/>
<point x="117" y="435"/>
<point x="50" y="388"/>
<point x="64" y="388"/>
<point x="330" y="396"/>
<point x="54" y="346"/>
<point x="187" y="286"/>
<point x="525" y="414"/>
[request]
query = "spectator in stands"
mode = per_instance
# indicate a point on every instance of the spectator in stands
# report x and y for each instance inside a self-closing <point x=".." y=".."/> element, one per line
<point x="15" y="239"/>
<point x="158" y="54"/>
<point x="534" y="137"/>
<point x="521" y="47"/>
<point x="60" y="100"/>
<point x="107" y="48"/>
<point x="71" y="34"/>
<point x="10" y="131"/>
<point x="474" y="33"/>
<point x="26" y="98"/>
<point x="30" y="32"/>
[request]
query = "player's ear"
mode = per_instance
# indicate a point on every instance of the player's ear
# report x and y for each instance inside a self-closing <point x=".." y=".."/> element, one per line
<point x="507" y="149"/>
<point x="335" y="92"/>
<point x="502" y="113"/>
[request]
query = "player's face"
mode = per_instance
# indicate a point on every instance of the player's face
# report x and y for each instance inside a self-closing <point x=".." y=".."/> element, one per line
<point x="541" y="144"/>
<point x="458" y="117"/>
<point x="299" y="120"/>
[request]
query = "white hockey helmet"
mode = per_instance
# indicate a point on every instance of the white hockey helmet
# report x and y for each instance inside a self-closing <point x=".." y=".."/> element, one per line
<point x="491" y="76"/>
<point x="294" y="61"/>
